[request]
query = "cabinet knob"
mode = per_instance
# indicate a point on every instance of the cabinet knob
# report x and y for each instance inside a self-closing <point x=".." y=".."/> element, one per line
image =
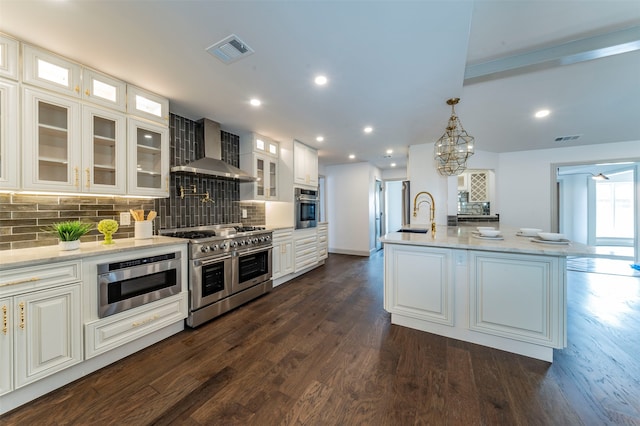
<point x="77" y="89"/>
<point x="4" y="319"/>
<point x="76" y="172"/>
<point x="88" y="172"/>
<point x="21" y="325"/>
<point x="87" y="92"/>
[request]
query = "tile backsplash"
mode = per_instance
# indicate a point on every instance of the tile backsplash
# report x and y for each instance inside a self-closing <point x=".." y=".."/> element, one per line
<point x="23" y="217"/>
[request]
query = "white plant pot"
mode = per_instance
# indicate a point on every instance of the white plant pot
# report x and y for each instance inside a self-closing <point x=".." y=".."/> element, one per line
<point x="69" y="245"/>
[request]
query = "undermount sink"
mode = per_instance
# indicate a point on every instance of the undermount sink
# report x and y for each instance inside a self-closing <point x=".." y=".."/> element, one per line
<point x="414" y="230"/>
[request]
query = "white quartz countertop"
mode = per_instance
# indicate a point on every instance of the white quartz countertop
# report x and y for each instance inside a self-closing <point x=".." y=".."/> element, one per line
<point x="38" y="255"/>
<point x="463" y="237"/>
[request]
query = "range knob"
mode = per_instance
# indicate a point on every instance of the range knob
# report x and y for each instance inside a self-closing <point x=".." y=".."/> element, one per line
<point x="255" y="241"/>
<point x="262" y="239"/>
<point x="241" y="242"/>
<point x="267" y="238"/>
<point x="224" y="246"/>
<point x="214" y="247"/>
<point x="204" y="249"/>
<point x="234" y="244"/>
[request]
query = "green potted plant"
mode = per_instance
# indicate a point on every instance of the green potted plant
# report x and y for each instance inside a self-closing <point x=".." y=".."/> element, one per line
<point x="69" y="233"/>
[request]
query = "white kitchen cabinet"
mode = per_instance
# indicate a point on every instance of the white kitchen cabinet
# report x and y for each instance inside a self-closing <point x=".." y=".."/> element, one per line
<point x="148" y="159"/>
<point x="305" y="165"/>
<point x="9" y="152"/>
<point x="305" y="248"/>
<point x="8" y="57"/>
<point x="463" y="182"/>
<point x="41" y="322"/>
<point x="259" y="157"/>
<point x="518" y="296"/>
<point x="419" y="283"/>
<point x="108" y="333"/>
<point x="104" y="156"/>
<point x="103" y="90"/>
<point x="66" y="151"/>
<point x="145" y="104"/>
<point x="323" y="241"/>
<point x="51" y="142"/>
<point x="478" y="186"/>
<point x="282" y="255"/>
<point x="50" y="71"/>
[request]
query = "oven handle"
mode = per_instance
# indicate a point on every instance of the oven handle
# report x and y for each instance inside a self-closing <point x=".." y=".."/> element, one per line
<point x="209" y="262"/>
<point x="303" y="198"/>
<point x="243" y="252"/>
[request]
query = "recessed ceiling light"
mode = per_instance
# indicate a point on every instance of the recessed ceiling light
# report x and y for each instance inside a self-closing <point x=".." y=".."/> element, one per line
<point x="368" y="129"/>
<point x="320" y="138"/>
<point x="352" y="156"/>
<point x="393" y="164"/>
<point x="542" y="113"/>
<point x="389" y="151"/>
<point x="255" y="102"/>
<point x="320" y="80"/>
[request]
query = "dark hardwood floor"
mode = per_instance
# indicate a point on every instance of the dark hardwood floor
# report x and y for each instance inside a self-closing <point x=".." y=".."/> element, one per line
<point x="320" y="350"/>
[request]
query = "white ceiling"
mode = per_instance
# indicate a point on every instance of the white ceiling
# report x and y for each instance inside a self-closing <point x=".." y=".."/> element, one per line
<point x="390" y="64"/>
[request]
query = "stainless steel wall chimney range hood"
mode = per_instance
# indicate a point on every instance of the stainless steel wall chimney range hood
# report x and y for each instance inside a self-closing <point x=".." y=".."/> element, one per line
<point x="208" y="132"/>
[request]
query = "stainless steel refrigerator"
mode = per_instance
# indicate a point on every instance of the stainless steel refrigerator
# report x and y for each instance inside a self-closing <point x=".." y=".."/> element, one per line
<point x="406" y="203"/>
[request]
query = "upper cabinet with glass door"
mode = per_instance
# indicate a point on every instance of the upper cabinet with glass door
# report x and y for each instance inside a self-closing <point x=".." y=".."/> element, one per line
<point x="145" y="104"/>
<point x="9" y="152"/>
<point x="103" y="90"/>
<point x="148" y="159"/>
<point x="50" y="71"/>
<point x="260" y="157"/>
<point x="8" y="57"/>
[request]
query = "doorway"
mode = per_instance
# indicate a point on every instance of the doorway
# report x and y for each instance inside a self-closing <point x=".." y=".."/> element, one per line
<point x="598" y="204"/>
<point x="379" y="213"/>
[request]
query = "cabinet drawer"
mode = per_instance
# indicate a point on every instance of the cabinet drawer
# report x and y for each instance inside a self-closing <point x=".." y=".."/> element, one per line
<point x="305" y="261"/>
<point x="109" y="333"/>
<point x="34" y="277"/>
<point x="303" y="252"/>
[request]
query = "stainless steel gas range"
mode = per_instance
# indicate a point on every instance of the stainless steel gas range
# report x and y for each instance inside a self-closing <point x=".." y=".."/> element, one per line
<point x="229" y="265"/>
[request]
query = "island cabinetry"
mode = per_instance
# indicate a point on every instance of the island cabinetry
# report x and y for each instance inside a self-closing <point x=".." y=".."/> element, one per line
<point x="519" y="297"/>
<point x="420" y="283"/>
<point x="148" y="159"/>
<point x="282" y="253"/>
<point x="9" y="152"/>
<point x="41" y="323"/>
<point x="260" y="157"/>
<point x="305" y="165"/>
<point x="305" y="247"/>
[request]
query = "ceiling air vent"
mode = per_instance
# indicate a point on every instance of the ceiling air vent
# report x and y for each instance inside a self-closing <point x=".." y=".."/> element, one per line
<point x="567" y="138"/>
<point x="230" y="49"/>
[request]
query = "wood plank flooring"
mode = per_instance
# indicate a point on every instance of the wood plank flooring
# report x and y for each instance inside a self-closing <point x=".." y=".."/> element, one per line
<point x="320" y="350"/>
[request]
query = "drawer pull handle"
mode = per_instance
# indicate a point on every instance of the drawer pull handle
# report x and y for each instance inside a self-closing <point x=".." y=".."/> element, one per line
<point x="88" y="171"/>
<point x="21" y="325"/>
<point x="145" y="321"/>
<point x="4" y="320"/>
<point x="26" y="280"/>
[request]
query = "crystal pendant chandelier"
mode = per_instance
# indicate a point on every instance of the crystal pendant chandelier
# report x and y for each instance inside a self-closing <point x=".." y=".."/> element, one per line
<point x="454" y="147"/>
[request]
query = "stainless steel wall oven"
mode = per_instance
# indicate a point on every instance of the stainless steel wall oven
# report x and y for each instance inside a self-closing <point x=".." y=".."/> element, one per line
<point x="306" y="208"/>
<point x="132" y="283"/>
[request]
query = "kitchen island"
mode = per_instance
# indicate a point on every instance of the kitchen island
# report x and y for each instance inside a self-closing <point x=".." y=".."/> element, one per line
<point x="507" y="293"/>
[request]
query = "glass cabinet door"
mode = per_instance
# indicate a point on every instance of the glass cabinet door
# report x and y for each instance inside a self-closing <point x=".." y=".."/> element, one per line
<point x="104" y="156"/>
<point x="260" y="175"/>
<point x="148" y="158"/>
<point x="45" y="69"/>
<point x="147" y="105"/>
<point x="273" y="178"/>
<point x="8" y="135"/>
<point x="51" y="142"/>
<point x="104" y="90"/>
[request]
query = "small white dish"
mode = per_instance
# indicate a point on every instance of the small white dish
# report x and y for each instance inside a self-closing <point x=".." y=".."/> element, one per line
<point x="562" y="241"/>
<point x="550" y="236"/>
<point x="489" y="232"/>
<point x="480" y="228"/>
<point x="528" y="232"/>
<point x="480" y="237"/>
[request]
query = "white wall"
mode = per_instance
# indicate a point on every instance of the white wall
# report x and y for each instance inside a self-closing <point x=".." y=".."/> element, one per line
<point x="524" y="179"/>
<point x="349" y="207"/>
<point x="393" y="205"/>
<point x="574" y="209"/>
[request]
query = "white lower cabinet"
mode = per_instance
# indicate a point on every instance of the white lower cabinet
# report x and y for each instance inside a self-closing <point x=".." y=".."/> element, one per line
<point x="282" y="255"/>
<point x="109" y="333"/>
<point x="44" y="330"/>
<point x="421" y="283"/>
<point x="323" y="241"/>
<point x="305" y="248"/>
<point x="518" y="296"/>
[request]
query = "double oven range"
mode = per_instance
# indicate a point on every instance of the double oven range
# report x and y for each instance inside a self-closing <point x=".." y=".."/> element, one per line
<point x="229" y="265"/>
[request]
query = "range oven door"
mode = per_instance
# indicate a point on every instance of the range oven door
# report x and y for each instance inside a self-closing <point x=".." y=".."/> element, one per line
<point x="251" y="267"/>
<point x="209" y="280"/>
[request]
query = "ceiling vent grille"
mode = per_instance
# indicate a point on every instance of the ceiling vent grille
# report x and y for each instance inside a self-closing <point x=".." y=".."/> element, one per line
<point x="230" y="49"/>
<point x="567" y="138"/>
